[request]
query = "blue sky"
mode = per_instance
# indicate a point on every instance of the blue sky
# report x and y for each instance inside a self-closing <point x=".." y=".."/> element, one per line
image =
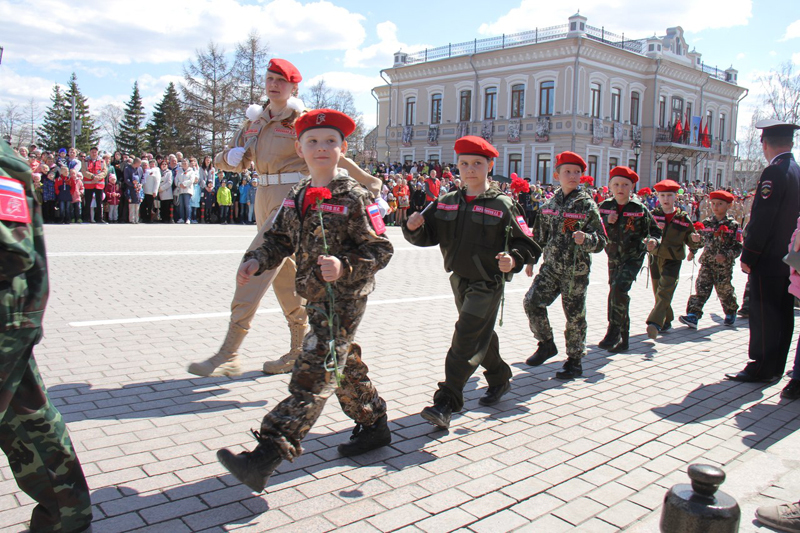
<point x="111" y="44"/>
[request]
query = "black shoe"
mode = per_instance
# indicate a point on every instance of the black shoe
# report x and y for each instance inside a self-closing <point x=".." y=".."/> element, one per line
<point x="745" y="377"/>
<point x="622" y="345"/>
<point x="666" y="327"/>
<point x="438" y="414"/>
<point x="547" y="349"/>
<point x="367" y="438"/>
<point x="572" y="369"/>
<point x="252" y="468"/>
<point x="792" y="390"/>
<point x="494" y="393"/>
<point x="611" y="339"/>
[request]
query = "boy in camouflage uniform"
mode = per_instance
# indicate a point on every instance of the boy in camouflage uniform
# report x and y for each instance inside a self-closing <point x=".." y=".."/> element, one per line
<point x="484" y="239"/>
<point x="353" y="228"/>
<point x="666" y="257"/>
<point x="630" y="226"/>
<point x="723" y="244"/>
<point x="33" y="435"/>
<point x="569" y="228"/>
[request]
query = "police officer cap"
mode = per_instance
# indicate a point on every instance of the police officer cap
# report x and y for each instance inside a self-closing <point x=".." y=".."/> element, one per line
<point x="285" y="69"/>
<point x="570" y="158"/>
<point x="723" y="195"/>
<point x="325" y="118"/>
<point x="625" y="172"/>
<point x="473" y="145"/>
<point x="772" y="128"/>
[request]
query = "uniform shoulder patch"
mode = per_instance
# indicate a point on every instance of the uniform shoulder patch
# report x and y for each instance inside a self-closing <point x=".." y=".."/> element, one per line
<point x="375" y="218"/>
<point x="524" y="225"/>
<point x="766" y="189"/>
<point x="13" y="202"/>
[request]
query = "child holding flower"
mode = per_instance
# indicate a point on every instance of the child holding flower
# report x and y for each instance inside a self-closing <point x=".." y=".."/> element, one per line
<point x="335" y="230"/>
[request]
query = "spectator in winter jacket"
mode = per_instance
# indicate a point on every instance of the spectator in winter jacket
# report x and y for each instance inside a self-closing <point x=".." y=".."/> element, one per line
<point x="63" y="186"/>
<point x="224" y="201"/>
<point x="113" y="194"/>
<point x="244" y="192"/>
<point x="77" y="194"/>
<point x="209" y="199"/>
<point x="165" y="192"/>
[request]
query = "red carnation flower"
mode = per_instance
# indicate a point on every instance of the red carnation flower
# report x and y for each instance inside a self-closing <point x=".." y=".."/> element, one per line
<point x="519" y="185"/>
<point x="318" y="194"/>
<point x="698" y="226"/>
<point x="587" y="179"/>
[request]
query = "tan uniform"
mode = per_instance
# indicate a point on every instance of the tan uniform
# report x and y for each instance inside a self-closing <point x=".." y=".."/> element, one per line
<point x="274" y="153"/>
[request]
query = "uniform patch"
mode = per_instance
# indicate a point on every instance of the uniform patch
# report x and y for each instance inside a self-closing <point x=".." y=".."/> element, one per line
<point x="608" y="211"/>
<point x="629" y="225"/>
<point x="637" y="215"/>
<point x="487" y="211"/>
<point x="524" y="226"/>
<point x="251" y="132"/>
<point x="447" y="207"/>
<point x="288" y="202"/>
<point x="549" y="212"/>
<point x="739" y="236"/>
<point x="575" y="216"/>
<point x="13" y="202"/>
<point x="377" y="220"/>
<point x="660" y="219"/>
<point x="285" y="131"/>
<point x="766" y="189"/>
<point x="332" y="208"/>
<point x="680" y="223"/>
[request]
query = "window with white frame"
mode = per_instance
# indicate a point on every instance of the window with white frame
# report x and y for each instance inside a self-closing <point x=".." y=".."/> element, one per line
<point x="517" y="100"/>
<point x="612" y="162"/>
<point x="616" y="101"/>
<point x="592" y="166"/>
<point x="547" y="91"/>
<point x="436" y="108"/>
<point x="595" y="99"/>
<point x="515" y="164"/>
<point x="411" y="110"/>
<point x="677" y="110"/>
<point x="543" y="168"/>
<point x="710" y="122"/>
<point x="465" y="106"/>
<point x="721" y="131"/>
<point x="662" y="111"/>
<point x="490" y="103"/>
<point x="635" y="108"/>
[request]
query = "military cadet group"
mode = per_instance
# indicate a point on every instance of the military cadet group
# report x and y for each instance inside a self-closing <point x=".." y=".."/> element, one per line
<point x="322" y="242"/>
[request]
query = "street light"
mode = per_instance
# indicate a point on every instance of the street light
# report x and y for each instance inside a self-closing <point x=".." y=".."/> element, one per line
<point x="637" y="151"/>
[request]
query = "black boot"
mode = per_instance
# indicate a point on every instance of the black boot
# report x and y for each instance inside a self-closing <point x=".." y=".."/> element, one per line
<point x="547" y="349"/>
<point x="252" y="468"/>
<point x="572" y="369"/>
<point x="611" y="339"/>
<point x="494" y="394"/>
<point x="622" y="345"/>
<point x="439" y="413"/>
<point x="367" y="438"/>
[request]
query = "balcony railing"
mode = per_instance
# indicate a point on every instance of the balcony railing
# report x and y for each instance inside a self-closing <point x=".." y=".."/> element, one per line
<point x="669" y="135"/>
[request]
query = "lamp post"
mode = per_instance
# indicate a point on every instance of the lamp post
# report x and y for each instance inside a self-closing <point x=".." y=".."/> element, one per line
<point x="637" y="151"/>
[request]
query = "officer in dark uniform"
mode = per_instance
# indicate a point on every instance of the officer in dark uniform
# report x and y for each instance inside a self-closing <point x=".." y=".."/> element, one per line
<point x="772" y="221"/>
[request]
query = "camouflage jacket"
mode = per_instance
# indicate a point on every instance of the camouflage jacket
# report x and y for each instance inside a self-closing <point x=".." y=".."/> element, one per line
<point x="353" y="230"/>
<point x="627" y="236"/>
<point x="558" y="219"/>
<point x="24" y="285"/>
<point x="470" y="235"/>
<point x="676" y="235"/>
<point x="720" y="237"/>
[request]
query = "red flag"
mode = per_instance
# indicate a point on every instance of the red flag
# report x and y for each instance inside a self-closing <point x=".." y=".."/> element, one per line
<point x="686" y="124"/>
<point x="706" y="138"/>
<point x="678" y="132"/>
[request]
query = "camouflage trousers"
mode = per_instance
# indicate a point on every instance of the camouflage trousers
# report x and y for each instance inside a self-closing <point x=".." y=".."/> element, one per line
<point x="621" y="275"/>
<point x="547" y="285"/>
<point x="475" y="342"/>
<point x="713" y="276"/>
<point x="664" y="275"/>
<point x="36" y="441"/>
<point x="311" y="384"/>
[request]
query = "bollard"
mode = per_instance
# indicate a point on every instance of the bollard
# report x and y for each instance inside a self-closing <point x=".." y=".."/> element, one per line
<point x="699" y="507"/>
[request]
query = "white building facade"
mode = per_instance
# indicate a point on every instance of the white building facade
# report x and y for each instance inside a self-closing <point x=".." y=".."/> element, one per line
<point x="572" y="87"/>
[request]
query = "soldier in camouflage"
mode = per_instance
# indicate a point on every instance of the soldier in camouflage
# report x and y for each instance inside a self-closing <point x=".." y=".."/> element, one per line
<point x="569" y="228"/>
<point x="723" y="244"/>
<point x="336" y="283"/>
<point x="666" y="257"/>
<point x="630" y="226"/>
<point x="33" y="435"/>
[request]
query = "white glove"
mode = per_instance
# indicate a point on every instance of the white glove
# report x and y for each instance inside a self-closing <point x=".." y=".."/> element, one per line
<point x="234" y="156"/>
<point x="383" y="207"/>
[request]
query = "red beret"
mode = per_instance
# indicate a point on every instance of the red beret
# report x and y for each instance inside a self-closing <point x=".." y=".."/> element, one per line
<point x="666" y="186"/>
<point x="570" y="158"/>
<point x="473" y="145"/>
<point x="285" y="69"/>
<point x="325" y="118"/>
<point x="725" y="196"/>
<point x="625" y="172"/>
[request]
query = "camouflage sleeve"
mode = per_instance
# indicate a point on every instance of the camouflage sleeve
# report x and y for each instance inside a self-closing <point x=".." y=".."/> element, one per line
<point x="540" y="230"/>
<point x="425" y="235"/>
<point x="277" y="245"/>
<point x="372" y="252"/>
<point x="520" y="244"/>
<point x="17" y="252"/>
<point x="736" y="246"/>
<point x="596" y="237"/>
<point x="687" y="239"/>
<point x="654" y="231"/>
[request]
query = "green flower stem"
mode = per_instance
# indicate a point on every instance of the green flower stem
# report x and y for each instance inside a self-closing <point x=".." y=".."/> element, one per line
<point x="331" y="361"/>
<point x="503" y="278"/>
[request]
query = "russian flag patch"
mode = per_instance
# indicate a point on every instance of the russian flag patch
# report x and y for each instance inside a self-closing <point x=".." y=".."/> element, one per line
<point x="13" y="202"/>
<point x="375" y="217"/>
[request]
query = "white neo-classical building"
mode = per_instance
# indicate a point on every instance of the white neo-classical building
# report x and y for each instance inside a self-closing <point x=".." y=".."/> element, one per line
<point x="572" y="87"/>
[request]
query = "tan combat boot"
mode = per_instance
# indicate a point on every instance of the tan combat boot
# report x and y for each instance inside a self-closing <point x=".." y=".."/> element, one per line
<point x="226" y="360"/>
<point x="286" y="362"/>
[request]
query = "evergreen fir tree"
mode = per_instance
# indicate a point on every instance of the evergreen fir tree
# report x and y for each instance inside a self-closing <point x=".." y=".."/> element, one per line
<point x="167" y="131"/>
<point x="89" y="135"/>
<point x="132" y="138"/>
<point x="54" y="131"/>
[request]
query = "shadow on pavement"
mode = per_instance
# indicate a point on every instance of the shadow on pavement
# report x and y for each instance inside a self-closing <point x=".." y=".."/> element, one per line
<point x="149" y="399"/>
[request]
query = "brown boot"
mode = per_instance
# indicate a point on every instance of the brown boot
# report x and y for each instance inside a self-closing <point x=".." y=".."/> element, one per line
<point x="286" y="362"/>
<point x="226" y="361"/>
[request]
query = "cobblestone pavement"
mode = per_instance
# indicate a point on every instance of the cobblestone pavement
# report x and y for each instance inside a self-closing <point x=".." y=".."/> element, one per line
<point x="132" y="306"/>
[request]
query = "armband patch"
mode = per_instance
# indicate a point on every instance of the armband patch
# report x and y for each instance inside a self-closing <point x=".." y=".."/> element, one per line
<point x="13" y="202"/>
<point x="374" y="213"/>
<point x="524" y="226"/>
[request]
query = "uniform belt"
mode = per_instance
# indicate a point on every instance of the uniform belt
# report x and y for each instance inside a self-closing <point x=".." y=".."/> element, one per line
<point x="287" y="178"/>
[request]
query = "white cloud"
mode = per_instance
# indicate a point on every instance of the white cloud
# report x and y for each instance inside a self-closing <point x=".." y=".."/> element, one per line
<point x="355" y="83"/>
<point x="740" y="55"/>
<point x="792" y="31"/>
<point x="118" y="32"/>
<point x="773" y="53"/>
<point x="381" y="54"/>
<point x="18" y="89"/>
<point x="149" y="83"/>
<point x="796" y="58"/>
<point x="627" y="16"/>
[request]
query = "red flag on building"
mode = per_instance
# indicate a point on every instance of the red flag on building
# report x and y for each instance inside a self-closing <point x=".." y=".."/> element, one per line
<point x="706" y="138"/>
<point x="686" y="124"/>
<point x="676" y="135"/>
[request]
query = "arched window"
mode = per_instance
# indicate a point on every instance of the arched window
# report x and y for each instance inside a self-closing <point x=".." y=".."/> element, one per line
<point x="595" y="94"/>
<point x="547" y="91"/>
<point x="436" y="108"/>
<point x="411" y="110"/>
<point x="517" y="100"/>
<point x="490" y="103"/>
